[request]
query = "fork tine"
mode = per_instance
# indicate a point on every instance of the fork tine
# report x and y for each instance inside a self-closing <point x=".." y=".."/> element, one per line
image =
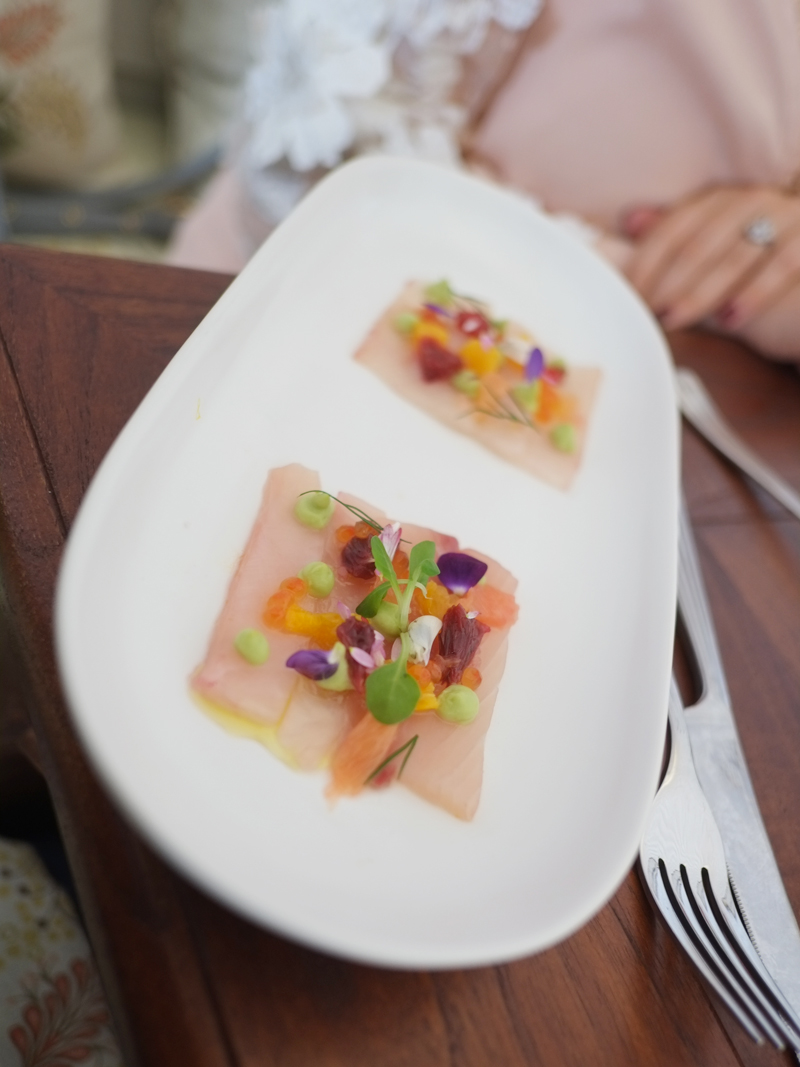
<point x="765" y="1015"/>
<point x="742" y="952"/>
<point x="657" y="881"/>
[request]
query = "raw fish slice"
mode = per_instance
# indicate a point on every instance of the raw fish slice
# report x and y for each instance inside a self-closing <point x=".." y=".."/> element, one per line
<point x="315" y="723"/>
<point x="364" y="749"/>
<point x="446" y="767"/>
<point x="311" y="725"/>
<point x="391" y="358"/>
<point x="261" y="692"/>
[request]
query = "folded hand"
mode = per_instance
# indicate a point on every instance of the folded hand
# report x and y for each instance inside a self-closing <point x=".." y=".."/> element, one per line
<point x="728" y="254"/>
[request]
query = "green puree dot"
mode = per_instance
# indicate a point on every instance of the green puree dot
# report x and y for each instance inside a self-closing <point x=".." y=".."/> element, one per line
<point x="458" y="704"/>
<point x="319" y="578"/>
<point x="405" y="322"/>
<point x="467" y="382"/>
<point x="527" y="395"/>
<point x="314" y="510"/>
<point x="440" y="293"/>
<point x="252" y="646"/>
<point x="564" y="437"/>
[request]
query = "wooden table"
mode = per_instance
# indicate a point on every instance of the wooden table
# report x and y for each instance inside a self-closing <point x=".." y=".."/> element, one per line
<point x="191" y="983"/>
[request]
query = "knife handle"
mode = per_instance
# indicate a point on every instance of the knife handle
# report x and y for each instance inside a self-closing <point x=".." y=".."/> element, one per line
<point x="696" y="613"/>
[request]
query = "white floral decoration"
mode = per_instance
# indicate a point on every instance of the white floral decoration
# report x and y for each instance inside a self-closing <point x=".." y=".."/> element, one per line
<point x="321" y="65"/>
<point x="332" y="77"/>
<point x="312" y="56"/>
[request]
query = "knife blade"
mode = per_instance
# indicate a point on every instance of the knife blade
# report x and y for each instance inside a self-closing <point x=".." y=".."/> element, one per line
<point x="755" y="878"/>
<point x="698" y="407"/>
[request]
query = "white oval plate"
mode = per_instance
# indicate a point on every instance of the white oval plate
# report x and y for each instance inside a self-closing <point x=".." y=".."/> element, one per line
<point x="268" y="378"/>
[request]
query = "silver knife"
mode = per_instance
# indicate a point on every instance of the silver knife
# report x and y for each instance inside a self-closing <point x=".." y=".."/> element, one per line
<point x="721" y="768"/>
<point x="698" y="407"/>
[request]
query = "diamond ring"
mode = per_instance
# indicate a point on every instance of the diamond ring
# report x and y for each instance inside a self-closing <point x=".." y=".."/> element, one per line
<point x="760" y="232"/>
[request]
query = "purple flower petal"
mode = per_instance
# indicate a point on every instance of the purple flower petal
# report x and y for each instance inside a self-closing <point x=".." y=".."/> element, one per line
<point x="313" y="663"/>
<point x="437" y="310"/>
<point x="390" y="538"/>
<point x="535" y="364"/>
<point x="458" y="572"/>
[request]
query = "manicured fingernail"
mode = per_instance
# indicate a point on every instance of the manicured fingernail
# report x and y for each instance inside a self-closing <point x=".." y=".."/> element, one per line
<point x="728" y="313"/>
<point x="638" y="220"/>
<point x="666" y="318"/>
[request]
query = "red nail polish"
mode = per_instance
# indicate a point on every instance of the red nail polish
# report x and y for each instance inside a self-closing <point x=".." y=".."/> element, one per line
<point x="728" y="313"/>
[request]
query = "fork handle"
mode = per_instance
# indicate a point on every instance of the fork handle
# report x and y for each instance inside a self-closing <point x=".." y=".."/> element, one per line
<point x="696" y="613"/>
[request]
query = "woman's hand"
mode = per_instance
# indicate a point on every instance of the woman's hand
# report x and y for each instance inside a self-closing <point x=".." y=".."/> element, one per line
<point x="695" y="262"/>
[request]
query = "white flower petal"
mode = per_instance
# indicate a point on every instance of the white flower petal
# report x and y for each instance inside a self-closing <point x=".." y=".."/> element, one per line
<point x="422" y="632"/>
<point x="320" y="137"/>
<point x="358" y="72"/>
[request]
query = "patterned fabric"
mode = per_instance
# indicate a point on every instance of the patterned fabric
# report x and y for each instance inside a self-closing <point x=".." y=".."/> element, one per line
<point x="52" y="1009"/>
<point x="57" y="111"/>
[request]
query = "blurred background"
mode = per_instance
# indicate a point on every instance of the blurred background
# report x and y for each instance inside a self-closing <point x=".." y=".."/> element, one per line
<point x="112" y="113"/>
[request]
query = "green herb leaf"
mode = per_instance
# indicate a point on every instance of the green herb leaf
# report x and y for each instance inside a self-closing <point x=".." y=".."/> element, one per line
<point x="372" y="601"/>
<point x="382" y="561"/>
<point x="422" y="552"/>
<point x="391" y="693"/>
<point x="429" y="569"/>
<point x="408" y="745"/>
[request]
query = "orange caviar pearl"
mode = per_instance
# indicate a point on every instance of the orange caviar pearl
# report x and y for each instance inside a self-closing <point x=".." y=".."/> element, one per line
<point x="435" y="669"/>
<point x="471" y="677"/>
<point x="297" y="586"/>
<point x="276" y="608"/>
<point x="363" y="530"/>
<point x="400" y="563"/>
<point x="344" y="533"/>
<point x="420" y="674"/>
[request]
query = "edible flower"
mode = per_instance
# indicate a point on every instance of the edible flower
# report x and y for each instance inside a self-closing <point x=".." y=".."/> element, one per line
<point x="362" y="657"/>
<point x="314" y="663"/>
<point x="458" y="572"/>
<point x="437" y="309"/>
<point x="390" y="538"/>
<point x="535" y="364"/>
<point x="372" y="659"/>
<point x="423" y="631"/>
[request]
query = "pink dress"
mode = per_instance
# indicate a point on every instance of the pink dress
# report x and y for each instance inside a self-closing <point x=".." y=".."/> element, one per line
<point x="613" y="103"/>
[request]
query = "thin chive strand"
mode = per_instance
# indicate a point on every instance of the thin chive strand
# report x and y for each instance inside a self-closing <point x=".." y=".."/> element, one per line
<point x="408" y="745"/>
<point x="359" y="514"/>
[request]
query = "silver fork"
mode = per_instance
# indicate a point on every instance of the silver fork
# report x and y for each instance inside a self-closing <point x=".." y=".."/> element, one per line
<point x="683" y="864"/>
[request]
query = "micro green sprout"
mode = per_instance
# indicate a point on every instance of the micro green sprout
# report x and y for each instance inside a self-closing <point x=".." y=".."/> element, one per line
<point x="390" y="691"/>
